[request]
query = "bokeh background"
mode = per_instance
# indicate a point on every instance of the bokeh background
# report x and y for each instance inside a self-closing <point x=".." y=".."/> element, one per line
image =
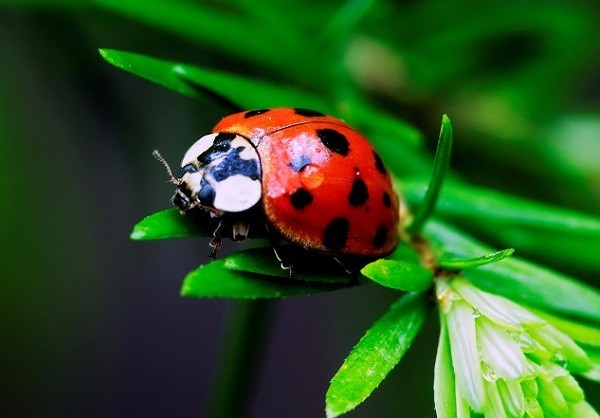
<point x="91" y="323"/>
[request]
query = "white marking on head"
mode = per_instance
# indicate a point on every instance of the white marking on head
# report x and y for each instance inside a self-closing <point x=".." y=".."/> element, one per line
<point x="236" y="193"/>
<point x="197" y="148"/>
<point x="248" y="152"/>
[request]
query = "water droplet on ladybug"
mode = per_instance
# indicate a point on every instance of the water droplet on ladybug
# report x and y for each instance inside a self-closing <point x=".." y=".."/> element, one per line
<point x="312" y="176"/>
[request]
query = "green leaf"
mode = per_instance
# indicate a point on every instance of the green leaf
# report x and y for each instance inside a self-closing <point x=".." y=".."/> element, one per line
<point x="441" y="165"/>
<point x="444" y="393"/>
<point x="250" y="93"/>
<point x="519" y="280"/>
<point x="582" y="333"/>
<point x="563" y="237"/>
<point x="246" y="93"/>
<point x="477" y="204"/>
<point x="594" y="355"/>
<point x="404" y="252"/>
<point x="228" y="31"/>
<point x="215" y="280"/>
<point x="378" y="351"/>
<point x="263" y="261"/>
<point x="449" y="262"/>
<point x="400" y="275"/>
<point x="170" y="224"/>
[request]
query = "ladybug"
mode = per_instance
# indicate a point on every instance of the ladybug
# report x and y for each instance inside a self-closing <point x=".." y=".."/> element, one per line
<point x="308" y="178"/>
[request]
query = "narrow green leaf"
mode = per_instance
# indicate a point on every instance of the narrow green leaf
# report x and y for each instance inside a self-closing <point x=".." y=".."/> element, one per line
<point x="582" y="333"/>
<point x="449" y="262"/>
<point x="582" y="410"/>
<point x="566" y="238"/>
<point x="263" y="261"/>
<point x="400" y="275"/>
<point x="170" y="223"/>
<point x="378" y="351"/>
<point x="519" y="280"/>
<point x="444" y="394"/>
<point x="214" y="280"/>
<point x="249" y="93"/>
<point x="193" y="81"/>
<point x="476" y="204"/>
<point x="594" y="355"/>
<point x="441" y="165"/>
<point x="228" y="32"/>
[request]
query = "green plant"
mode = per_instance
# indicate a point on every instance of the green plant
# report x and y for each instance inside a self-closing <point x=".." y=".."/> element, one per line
<point x="560" y="322"/>
<point x="251" y="274"/>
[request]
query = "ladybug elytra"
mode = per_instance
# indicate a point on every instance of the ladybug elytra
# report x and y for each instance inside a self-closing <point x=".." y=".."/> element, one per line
<point x="313" y="180"/>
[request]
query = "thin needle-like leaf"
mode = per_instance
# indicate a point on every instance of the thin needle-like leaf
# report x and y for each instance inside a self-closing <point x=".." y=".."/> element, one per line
<point x="478" y="204"/>
<point x="229" y="32"/>
<point x="263" y="261"/>
<point x="444" y="394"/>
<point x="461" y="264"/>
<point x="519" y="280"/>
<point x="441" y="165"/>
<point x="194" y="81"/>
<point x="214" y="280"/>
<point x="562" y="236"/>
<point x="378" y="351"/>
<point x="170" y="224"/>
<point x="400" y="275"/>
<point x="580" y="332"/>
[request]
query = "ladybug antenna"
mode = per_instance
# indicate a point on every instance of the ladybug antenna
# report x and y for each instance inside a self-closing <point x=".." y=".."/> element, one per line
<point x="164" y="162"/>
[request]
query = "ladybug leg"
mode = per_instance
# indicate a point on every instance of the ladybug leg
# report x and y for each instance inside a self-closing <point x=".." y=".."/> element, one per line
<point x="350" y="268"/>
<point x="216" y="243"/>
<point x="285" y="264"/>
<point x="277" y="250"/>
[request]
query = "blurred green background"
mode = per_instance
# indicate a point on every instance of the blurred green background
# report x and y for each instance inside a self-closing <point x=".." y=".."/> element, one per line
<point x="92" y="324"/>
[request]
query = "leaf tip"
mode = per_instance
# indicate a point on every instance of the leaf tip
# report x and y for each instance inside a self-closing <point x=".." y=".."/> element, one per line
<point x="186" y="288"/>
<point x="330" y="412"/>
<point x="138" y="233"/>
<point x="105" y="53"/>
<point x="367" y="270"/>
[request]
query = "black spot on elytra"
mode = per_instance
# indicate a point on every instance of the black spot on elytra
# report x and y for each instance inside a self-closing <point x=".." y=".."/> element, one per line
<point x="334" y="140"/>
<point x="379" y="163"/>
<point x="298" y="163"/>
<point x="307" y="112"/>
<point x="387" y="200"/>
<point x="380" y="237"/>
<point x="256" y="112"/>
<point x="359" y="193"/>
<point x="336" y="234"/>
<point x="189" y="168"/>
<point x="301" y="198"/>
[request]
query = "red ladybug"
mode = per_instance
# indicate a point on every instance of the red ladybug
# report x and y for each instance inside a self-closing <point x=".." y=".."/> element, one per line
<point x="313" y="180"/>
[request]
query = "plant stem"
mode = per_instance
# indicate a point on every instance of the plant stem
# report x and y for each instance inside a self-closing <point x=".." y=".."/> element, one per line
<point x="241" y="359"/>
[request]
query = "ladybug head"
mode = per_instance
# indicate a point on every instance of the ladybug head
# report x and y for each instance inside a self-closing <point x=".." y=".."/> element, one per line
<point x="220" y="173"/>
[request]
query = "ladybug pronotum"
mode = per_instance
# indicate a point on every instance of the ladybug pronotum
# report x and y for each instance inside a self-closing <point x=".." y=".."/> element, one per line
<point x="309" y="178"/>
